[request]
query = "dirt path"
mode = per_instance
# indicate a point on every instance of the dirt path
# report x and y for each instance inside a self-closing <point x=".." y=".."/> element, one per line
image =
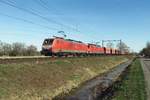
<point x="146" y="68"/>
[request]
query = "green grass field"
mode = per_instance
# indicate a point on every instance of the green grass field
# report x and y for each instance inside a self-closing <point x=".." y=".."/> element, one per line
<point x="46" y="79"/>
<point x="133" y="87"/>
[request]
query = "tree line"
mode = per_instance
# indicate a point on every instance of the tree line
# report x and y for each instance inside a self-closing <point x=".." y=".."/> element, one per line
<point x="146" y="51"/>
<point x="17" y="49"/>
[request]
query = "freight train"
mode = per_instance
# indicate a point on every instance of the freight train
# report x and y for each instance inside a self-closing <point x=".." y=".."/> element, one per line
<point x="58" y="46"/>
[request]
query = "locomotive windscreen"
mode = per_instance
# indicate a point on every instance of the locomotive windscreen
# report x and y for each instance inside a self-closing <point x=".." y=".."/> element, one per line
<point x="48" y="41"/>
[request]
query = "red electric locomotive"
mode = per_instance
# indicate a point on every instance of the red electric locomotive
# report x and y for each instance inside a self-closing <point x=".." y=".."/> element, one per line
<point x="59" y="46"/>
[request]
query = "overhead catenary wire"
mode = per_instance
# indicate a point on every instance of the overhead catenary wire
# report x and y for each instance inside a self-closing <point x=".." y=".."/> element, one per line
<point x="27" y="21"/>
<point x="27" y="11"/>
<point x="10" y="3"/>
<point x="45" y="5"/>
<point x="41" y="4"/>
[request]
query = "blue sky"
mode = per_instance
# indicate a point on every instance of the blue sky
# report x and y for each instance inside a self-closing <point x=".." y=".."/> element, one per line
<point x="96" y="20"/>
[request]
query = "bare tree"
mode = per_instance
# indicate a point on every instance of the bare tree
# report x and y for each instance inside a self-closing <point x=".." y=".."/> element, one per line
<point x="32" y="50"/>
<point x="146" y="51"/>
<point x="123" y="47"/>
<point x="148" y="45"/>
<point x="1" y="48"/>
<point x="18" y="49"/>
<point x="6" y="49"/>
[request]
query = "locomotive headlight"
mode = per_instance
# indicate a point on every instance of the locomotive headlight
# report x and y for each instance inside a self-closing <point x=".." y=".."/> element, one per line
<point x="46" y="46"/>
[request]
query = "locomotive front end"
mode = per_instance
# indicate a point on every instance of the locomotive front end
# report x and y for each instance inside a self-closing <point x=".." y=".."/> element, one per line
<point x="47" y="47"/>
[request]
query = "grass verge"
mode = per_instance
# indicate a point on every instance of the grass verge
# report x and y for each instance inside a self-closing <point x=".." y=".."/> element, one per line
<point x="133" y="86"/>
<point x="43" y="80"/>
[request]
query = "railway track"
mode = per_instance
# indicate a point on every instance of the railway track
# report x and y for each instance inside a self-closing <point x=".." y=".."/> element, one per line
<point x="20" y="59"/>
<point x="23" y="57"/>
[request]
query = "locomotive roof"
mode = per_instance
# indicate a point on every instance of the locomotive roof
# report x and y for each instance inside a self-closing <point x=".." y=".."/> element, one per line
<point x="94" y="44"/>
<point x="74" y="40"/>
<point x="55" y="37"/>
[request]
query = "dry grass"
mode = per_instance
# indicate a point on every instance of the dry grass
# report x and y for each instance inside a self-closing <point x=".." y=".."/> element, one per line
<point x="46" y="79"/>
